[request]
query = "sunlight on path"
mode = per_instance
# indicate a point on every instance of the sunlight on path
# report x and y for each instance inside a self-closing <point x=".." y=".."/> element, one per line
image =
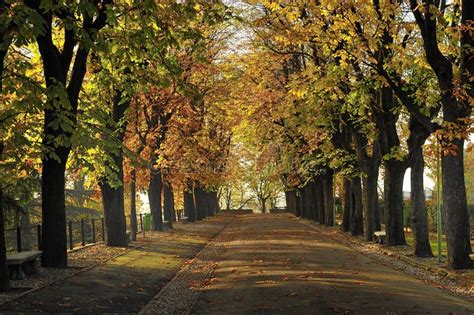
<point x="272" y="263"/>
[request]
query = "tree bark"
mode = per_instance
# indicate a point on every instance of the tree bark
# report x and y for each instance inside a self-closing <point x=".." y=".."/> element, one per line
<point x="210" y="196"/>
<point x="304" y="203"/>
<point x="393" y="203"/>
<point x="113" y="195"/>
<point x="200" y="203"/>
<point x="54" y="213"/>
<point x="418" y="206"/>
<point x="328" y="182"/>
<point x="168" y="204"/>
<point x="154" y="196"/>
<point x="189" y="208"/>
<point x="346" y="218"/>
<point x="319" y="196"/>
<point x="357" y="222"/>
<point x="297" y="203"/>
<point x="372" y="196"/>
<point x="311" y="201"/>
<point x="133" y="205"/>
<point x="114" y="214"/>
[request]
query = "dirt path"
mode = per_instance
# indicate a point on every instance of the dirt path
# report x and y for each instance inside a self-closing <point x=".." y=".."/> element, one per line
<point x="274" y="264"/>
<point x="127" y="283"/>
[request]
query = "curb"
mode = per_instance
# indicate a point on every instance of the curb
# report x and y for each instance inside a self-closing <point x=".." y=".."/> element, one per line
<point x="150" y="307"/>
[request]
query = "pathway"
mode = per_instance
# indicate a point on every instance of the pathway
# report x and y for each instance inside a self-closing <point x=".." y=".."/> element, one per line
<point x="274" y="264"/>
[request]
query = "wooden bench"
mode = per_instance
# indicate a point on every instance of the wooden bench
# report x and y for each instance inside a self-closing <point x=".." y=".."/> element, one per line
<point x="380" y="237"/>
<point x="22" y="263"/>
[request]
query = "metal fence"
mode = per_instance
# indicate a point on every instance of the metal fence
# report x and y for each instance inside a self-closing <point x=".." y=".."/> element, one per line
<point x="79" y="233"/>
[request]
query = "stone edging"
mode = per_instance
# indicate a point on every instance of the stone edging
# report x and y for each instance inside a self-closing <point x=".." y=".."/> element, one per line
<point x="179" y="295"/>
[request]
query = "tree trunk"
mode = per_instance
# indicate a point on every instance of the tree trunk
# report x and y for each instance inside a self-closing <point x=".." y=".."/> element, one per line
<point x="393" y="203"/>
<point x="418" y="206"/>
<point x="304" y="203"/>
<point x="4" y="278"/>
<point x="297" y="203"/>
<point x="319" y="196"/>
<point x="115" y="227"/>
<point x="189" y="208"/>
<point x="133" y="205"/>
<point x="357" y="222"/>
<point x="311" y="201"/>
<point x="457" y="215"/>
<point x="200" y="203"/>
<point x="328" y="182"/>
<point x="54" y="213"/>
<point x="113" y="197"/>
<point x="154" y="196"/>
<point x="372" y="199"/>
<point x="168" y="204"/>
<point x="216" y="201"/>
<point x="346" y="218"/>
<point x="211" y="200"/>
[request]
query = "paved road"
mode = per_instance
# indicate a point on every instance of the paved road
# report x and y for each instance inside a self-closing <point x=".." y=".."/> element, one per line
<point x="274" y="264"/>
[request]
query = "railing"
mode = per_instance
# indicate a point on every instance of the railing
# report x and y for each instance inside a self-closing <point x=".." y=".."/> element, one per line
<point x="79" y="233"/>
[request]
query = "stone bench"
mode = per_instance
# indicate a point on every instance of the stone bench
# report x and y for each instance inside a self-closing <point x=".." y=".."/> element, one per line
<point x="380" y="237"/>
<point x="22" y="263"/>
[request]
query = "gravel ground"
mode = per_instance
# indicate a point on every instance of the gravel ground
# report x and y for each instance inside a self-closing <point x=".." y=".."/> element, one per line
<point x="396" y="258"/>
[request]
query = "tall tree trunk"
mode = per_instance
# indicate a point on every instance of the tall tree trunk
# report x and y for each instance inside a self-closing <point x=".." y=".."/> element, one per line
<point x="372" y="197"/>
<point x="304" y="203"/>
<point x="114" y="214"/>
<point x="357" y="222"/>
<point x="189" y="208"/>
<point x="211" y="200"/>
<point x="319" y="196"/>
<point x="311" y="201"/>
<point x="154" y="196"/>
<point x="216" y="197"/>
<point x="200" y="203"/>
<point x="418" y="205"/>
<point x="346" y="218"/>
<point x="328" y="182"/>
<point x="168" y="203"/>
<point x="133" y="205"/>
<point x="393" y="203"/>
<point x="54" y="212"/>
<point x="457" y="215"/>
<point x="113" y="196"/>
<point x="4" y="278"/>
<point x="297" y="203"/>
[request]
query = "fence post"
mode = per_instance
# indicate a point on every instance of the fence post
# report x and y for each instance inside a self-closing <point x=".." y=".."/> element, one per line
<point x="18" y="239"/>
<point x="102" y="223"/>
<point x="38" y="233"/>
<point x="71" y="241"/>
<point x="93" y="230"/>
<point x="83" y="237"/>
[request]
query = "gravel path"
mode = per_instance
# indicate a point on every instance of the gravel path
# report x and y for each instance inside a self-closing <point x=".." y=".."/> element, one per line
<point x="275" y="264"/>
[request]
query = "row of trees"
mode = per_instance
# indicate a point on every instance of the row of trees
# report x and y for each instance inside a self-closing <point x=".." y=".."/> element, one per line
<point x="346" y="89"/>
<point x="111" y="93"/>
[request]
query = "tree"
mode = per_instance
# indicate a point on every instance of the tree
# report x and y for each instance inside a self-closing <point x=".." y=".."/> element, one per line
<point x="456" y="107"/>
<point x="64" y="69"/>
